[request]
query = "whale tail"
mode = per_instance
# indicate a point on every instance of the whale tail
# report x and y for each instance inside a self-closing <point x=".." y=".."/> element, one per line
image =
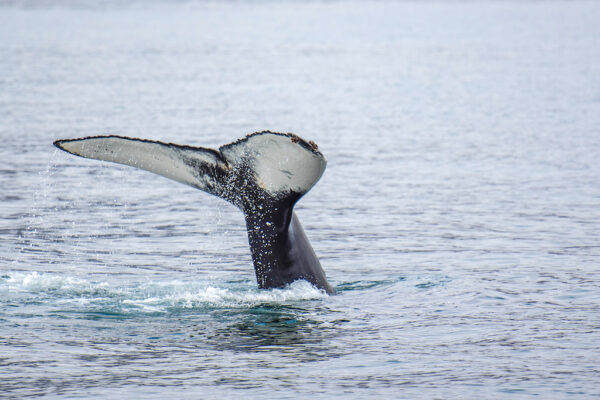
<point x="263" y="165"/>
<point x="263" y="174"/>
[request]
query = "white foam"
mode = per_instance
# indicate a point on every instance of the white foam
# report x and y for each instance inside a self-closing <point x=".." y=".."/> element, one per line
<point x="219" y="296"/>
<point x="151" y="297"/>
<point x="36" y="282"/>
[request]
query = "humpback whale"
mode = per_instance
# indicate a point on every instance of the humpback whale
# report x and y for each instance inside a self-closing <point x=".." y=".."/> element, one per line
<point x="263" y="174"/>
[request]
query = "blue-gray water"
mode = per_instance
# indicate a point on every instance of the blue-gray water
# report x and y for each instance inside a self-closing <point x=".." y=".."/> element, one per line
<point x="459" y="217"/>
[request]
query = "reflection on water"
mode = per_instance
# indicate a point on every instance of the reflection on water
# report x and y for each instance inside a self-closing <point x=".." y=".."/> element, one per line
<point x="282" y="329"/>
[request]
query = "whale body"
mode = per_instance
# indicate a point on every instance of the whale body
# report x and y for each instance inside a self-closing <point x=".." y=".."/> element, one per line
<point x="263" y="174"/>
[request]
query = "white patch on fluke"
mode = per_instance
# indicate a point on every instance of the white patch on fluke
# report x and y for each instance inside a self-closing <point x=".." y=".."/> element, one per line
<point x="165" y="159"/>
<point x="280" y="163"/>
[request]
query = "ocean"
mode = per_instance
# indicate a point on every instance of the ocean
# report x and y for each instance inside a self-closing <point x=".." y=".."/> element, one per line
<point x="458" y="218"/>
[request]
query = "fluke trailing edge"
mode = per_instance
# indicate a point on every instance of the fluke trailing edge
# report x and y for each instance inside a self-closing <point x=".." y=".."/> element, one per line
<point x="263" y="174"/>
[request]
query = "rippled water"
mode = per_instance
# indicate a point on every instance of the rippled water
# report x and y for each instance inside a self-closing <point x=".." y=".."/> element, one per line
<point x="458" y="219"/>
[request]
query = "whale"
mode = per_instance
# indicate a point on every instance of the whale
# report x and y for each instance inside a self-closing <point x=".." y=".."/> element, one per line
<point x="263" y="174"/>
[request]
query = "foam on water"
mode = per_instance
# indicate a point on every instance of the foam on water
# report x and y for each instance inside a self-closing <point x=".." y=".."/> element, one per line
<point x="149" y="297"/>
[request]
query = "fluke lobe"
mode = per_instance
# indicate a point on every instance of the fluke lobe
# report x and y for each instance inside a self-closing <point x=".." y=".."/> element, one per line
<point x="263" y="174"/>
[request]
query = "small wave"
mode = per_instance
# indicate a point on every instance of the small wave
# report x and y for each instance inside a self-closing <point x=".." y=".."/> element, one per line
<point x="363" y="285"/>
<point x="81" y="295"/>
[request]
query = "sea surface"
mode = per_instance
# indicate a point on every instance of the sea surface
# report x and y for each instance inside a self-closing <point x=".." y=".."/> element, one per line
<point x="458" y="218"/>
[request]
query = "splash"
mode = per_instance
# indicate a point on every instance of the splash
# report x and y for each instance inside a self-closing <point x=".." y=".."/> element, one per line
<point x="167" y="296"/>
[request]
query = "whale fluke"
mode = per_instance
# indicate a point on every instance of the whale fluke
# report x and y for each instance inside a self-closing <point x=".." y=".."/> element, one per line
<point x="263" y="174"/>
